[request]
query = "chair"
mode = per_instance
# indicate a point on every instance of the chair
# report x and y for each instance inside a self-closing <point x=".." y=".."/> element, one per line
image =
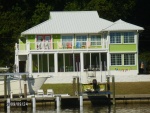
<point x="50" y="92"/>
<point x="47" y="45"/>
<point x="60" y="45"/>
<point x="40" y="92"/>
<point x="78" y="45"/>
<point x="39" y="45"/>
<point x="88" y="44"/>
<point x="69" y="45"/>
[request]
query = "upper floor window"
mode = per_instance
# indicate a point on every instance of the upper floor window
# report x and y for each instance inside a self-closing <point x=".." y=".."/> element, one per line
<point x="67" y="41"/>
<point x="116" y="59"/>
<point x="129" y="59"/>
<point x="82" y="39"/>
<point x="129" y="37"/>
<point x="95" y="40"/>
<point x="115" y="37"/>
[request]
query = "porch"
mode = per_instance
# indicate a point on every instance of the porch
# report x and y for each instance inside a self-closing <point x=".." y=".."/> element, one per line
<point x="61" y="46"/>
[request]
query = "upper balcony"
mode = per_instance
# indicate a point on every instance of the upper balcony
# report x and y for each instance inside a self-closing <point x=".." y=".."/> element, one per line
<point x="61" y="46"/>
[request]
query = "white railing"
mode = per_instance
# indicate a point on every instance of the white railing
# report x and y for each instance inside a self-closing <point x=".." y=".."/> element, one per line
<point x="62" y="45"/>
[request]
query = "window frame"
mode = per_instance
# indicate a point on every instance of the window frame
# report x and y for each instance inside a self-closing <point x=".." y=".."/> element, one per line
<point x="96" y="40"/>
<point x="81" y="39"/>
<point x="128" y="38"/>
<point x="116" y="62"/>
<point x="130" y="60"/>
<point x="115" y="38"/>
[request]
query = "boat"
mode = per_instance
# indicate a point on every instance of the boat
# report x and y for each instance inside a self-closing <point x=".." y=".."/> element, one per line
<point x="15" y="82"/>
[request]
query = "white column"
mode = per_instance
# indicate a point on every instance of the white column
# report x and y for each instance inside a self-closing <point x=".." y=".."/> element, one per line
<point x="108" y="54"/>
<point x="136" y="38"/>
<point x="56" y="62"/>
<point x="30" y="64"/>
<point x="81" y="62"/>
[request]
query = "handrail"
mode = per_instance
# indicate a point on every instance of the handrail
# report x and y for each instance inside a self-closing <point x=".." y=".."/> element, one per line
<point x="61" y="45"/>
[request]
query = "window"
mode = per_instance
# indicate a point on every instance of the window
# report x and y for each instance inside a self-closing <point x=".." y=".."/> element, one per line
<point x="95" y="40"/>
<point x="115" y="38"/>
<point x="129" y="37"/>
<point x="66" y="39"/>
<point x="82" y="39"/>
<point x="129" y="59"/>
<point x="115" y="59"/>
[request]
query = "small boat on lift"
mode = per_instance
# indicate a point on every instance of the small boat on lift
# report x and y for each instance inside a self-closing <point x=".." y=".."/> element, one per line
<point x="15" y="82"/>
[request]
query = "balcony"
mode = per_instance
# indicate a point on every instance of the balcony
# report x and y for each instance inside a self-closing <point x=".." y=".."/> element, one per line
<point x="61" y="46"/>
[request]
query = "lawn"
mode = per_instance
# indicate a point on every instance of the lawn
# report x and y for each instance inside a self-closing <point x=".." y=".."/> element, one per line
<point x="120" y="88"/>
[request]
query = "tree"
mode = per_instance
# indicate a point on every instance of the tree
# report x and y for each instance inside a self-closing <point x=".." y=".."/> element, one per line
<point x="41" y="13"/>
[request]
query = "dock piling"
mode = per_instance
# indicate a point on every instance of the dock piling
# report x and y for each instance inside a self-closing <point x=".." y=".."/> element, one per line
<point x="81" y="101"/>
<point x="58" y="101"/>
<point x="33" y="103"/>
<point x="113" y="88"/>
<point x="8" y="105"/>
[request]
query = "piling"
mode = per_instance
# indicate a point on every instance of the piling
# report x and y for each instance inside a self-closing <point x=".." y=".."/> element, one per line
<point x="113" y="88"/>
<point x="108" y="85"/>
<point x="58" y="101"/>
<point x="8" y="105"/>
<point x="81" y="101"/>
<point x="33" y="103"/>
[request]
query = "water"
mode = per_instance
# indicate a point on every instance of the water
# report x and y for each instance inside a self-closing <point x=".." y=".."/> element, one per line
<point x="119" y="108"/>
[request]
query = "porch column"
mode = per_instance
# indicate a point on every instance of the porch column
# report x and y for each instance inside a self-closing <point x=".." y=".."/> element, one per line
<point x="17" y="63"/>
<point x="90" y="61"/>
<point x="56" y="62"/>
<point x="81" y="62"/>
<point x="30" y="64"/>
<point x="108" y="54"/>
<point x="74" y="63"/>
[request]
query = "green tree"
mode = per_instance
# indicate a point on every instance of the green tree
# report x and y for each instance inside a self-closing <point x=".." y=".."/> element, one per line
<point x="41" y="13"/>
<point x="11" y="24"/>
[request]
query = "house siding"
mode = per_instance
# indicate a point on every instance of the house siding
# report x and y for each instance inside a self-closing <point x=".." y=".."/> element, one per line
<point x="56" y="38"/>
<point x="31" y="39"/>
<point x="122" y="47"/>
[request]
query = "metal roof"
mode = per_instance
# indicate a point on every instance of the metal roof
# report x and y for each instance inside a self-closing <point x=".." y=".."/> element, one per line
<point x="75" y="22"/>
<point x="121" y="25"/>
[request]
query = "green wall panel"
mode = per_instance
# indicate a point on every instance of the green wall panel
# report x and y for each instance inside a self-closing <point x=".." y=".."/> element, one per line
<point x="122" y="47"/>
<point x="56" y="38"/>
<point x="31" y="39"/>
<point x="123" y="68"/>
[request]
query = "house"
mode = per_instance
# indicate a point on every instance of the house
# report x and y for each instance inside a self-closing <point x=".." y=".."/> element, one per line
<point x="78" y="41"/>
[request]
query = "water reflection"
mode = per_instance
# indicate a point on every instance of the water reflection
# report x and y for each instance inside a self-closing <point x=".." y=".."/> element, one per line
<point x="119" y="108"/>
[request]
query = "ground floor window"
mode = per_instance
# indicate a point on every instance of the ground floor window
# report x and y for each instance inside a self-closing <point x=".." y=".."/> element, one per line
<point x="116" y="59"/>
<point x="129" y="59"/>
<point x="122" y="59"/>
<point x="43" y="63"/>
<point x="68" y="62"/>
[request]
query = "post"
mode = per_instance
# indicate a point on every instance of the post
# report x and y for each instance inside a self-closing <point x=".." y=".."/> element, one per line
<point x="81" y="101"/>
<point x="8" y="105"/>
<point x="58" y="101"/>
<point x="113" y="88"/>
<point x="74" y="87"/>
<point x="33" y="103"/>
<point x="108" y="85"/>
<point x="25" y="88"/>
<point x="5" y="86"/>
<point x="78" y="86"/>
<point x="11" y="94"/>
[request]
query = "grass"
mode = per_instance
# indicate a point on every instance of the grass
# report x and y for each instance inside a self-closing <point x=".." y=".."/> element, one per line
<point x="120" y="88"/>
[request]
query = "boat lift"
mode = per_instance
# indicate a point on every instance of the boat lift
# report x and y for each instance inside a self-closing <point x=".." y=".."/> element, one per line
<point x="5" y="73"/>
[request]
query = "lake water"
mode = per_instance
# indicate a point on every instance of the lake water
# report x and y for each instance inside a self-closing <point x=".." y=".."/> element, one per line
<point x="119" y="108"/>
